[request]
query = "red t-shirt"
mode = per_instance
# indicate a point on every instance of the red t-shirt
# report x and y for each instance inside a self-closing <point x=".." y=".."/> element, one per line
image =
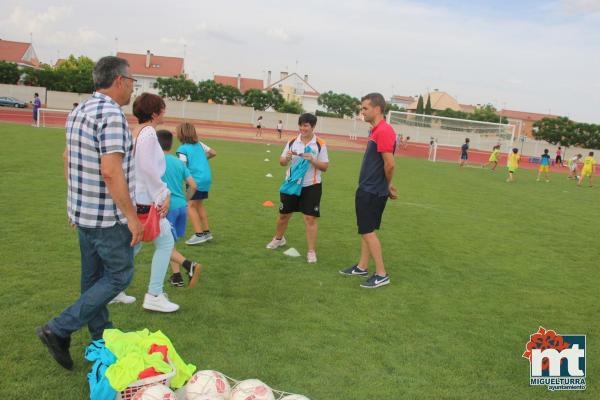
<point x="372" y="175"/>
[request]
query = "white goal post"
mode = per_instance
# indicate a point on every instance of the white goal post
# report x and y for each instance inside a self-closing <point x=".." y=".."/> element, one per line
<point x="452" y="132"/>
<point x="42" y="115"/>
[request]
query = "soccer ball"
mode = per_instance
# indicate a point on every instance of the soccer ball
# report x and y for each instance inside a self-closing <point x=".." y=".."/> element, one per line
<point x="206" y="397"/>
<point x="295" y="397"/>
<point x="207" y="383"/>
<point x="252" y="389"/>
<point x="155" y="392"/>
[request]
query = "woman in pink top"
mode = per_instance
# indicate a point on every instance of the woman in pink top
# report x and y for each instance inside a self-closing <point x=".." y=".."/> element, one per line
<point x="558" y="160"/>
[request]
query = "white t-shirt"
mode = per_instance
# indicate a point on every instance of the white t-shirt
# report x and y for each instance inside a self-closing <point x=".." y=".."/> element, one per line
<point x="150" y="166"/>
<point x="279" y="126"/>
<point x="313" y="175"/>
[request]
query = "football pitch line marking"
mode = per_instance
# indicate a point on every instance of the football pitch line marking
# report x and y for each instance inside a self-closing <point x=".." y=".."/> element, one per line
<point x="425" y="206"/>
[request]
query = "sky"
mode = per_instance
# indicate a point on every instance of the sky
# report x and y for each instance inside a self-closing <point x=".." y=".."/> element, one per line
<point x="537" y="56"/>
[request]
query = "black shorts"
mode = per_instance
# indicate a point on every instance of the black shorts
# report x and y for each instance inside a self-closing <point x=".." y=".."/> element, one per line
<point x="200" y="195"/>
<point x="558" y="160"/>
<point x="369" y="210"/>
<point x="308" y="203"/>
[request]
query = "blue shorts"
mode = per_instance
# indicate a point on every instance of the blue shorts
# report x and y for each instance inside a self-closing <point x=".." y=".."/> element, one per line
<point x="177" y="218"/>
<point x="200" y="195"/>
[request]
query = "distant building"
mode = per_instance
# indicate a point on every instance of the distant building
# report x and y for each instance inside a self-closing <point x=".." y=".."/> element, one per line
<point x="147" y="67"/>
<point x="439" y="101"/>
<point x="295" y="88"/>
<point x="523" y="121"/>
<point x="20" y="53"/>
<point x="243" y="84"/>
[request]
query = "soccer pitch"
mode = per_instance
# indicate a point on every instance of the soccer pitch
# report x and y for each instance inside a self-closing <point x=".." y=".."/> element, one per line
<point x="477" y="265"/>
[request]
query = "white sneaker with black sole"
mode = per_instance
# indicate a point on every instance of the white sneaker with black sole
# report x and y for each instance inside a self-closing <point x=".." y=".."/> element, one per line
<point x="196" y="239"/>
<point x="159" y="303"/>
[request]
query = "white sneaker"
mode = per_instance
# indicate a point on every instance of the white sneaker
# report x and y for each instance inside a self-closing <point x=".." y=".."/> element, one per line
<point x="275" y="243"/>
<point x="311" y="257"/>
<point x="195" y="239"/>
<point x="159" y="303"/>
<point x="122" y="298"/>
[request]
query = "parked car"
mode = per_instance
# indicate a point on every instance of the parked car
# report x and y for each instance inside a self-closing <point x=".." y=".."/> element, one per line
<point x="12" y="102"/>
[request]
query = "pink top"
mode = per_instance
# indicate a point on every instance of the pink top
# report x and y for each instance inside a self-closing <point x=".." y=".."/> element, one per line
<point x="558" y="152"/>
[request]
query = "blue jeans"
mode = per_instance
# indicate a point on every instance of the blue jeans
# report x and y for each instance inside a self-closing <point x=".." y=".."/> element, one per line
<point x="106" y="270"/>
<point x="163" y="246"/>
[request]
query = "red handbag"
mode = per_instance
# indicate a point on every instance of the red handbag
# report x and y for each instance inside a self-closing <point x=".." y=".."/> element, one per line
<point x="151" y="223"/>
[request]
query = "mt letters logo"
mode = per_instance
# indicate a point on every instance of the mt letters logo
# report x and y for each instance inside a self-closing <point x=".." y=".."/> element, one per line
<point x="556" y="361"/>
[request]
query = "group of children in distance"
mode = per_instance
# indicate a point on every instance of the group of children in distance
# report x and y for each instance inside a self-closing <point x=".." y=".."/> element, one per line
<point x="191" y="168"/>
<point x="513" y="159"/>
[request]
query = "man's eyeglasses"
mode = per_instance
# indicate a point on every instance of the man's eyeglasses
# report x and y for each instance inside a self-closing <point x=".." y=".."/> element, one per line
<point x="128" y="77"/>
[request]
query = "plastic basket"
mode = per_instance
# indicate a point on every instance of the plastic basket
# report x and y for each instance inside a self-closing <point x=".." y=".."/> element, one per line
<point x="133" y="388"/>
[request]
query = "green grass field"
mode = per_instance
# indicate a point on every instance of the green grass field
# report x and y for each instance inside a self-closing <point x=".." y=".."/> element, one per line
<point x="476" y="265"/>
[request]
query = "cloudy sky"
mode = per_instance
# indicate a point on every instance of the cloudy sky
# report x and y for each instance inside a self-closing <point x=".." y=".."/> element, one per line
<point x="539" y="56"/>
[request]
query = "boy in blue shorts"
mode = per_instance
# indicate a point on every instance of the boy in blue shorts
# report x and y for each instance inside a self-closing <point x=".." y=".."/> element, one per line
<point x="176" y="173"/>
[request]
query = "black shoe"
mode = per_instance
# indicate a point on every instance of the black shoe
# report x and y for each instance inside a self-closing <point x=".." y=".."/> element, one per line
<point x="176" y="280"/>
<point x="354" y="271"/>
<point x="375" y="281"/>
<point x="57" y="346"/>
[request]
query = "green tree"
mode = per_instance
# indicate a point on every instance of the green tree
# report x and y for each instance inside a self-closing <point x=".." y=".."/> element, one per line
<point x="450" y="113"/>
<point x="72" y="75"/>
<point x="230" y="95"/>
<point x="9" y="72"/>
<point x="208" y="90"/>
<point x="260" y="100"/>
<point x="340" y="104"/>
<point x="276" y="100"/>
<point x="218" y="93"/>
<point x="420" y="108"/>
<point x="290" y="107"/>
<point x="561" y="131"/>
<point x="176" y="88"/>
<point x="428" y="110"/>
<point x="45" y="76"/>
<point x="487" y="113"/>
<point x="75" y="74"/>
<point x="392" y="107"/>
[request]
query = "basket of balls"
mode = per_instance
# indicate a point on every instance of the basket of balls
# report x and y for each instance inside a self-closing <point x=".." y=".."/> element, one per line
<point x="138" y="386"/>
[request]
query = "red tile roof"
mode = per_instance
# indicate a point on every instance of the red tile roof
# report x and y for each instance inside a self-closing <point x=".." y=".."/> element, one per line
<point x="403" y="98"/>
<point x="467" y="107"/>
<point x="245" y="83"/>
<point x="525" y="116"/>
<point x="159" y="65"/>
<point x="15" y="51"/>
<point x="313" y="92"/>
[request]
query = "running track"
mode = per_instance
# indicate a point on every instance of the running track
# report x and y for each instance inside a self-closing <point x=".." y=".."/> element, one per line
<point x="246" y="132"/>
